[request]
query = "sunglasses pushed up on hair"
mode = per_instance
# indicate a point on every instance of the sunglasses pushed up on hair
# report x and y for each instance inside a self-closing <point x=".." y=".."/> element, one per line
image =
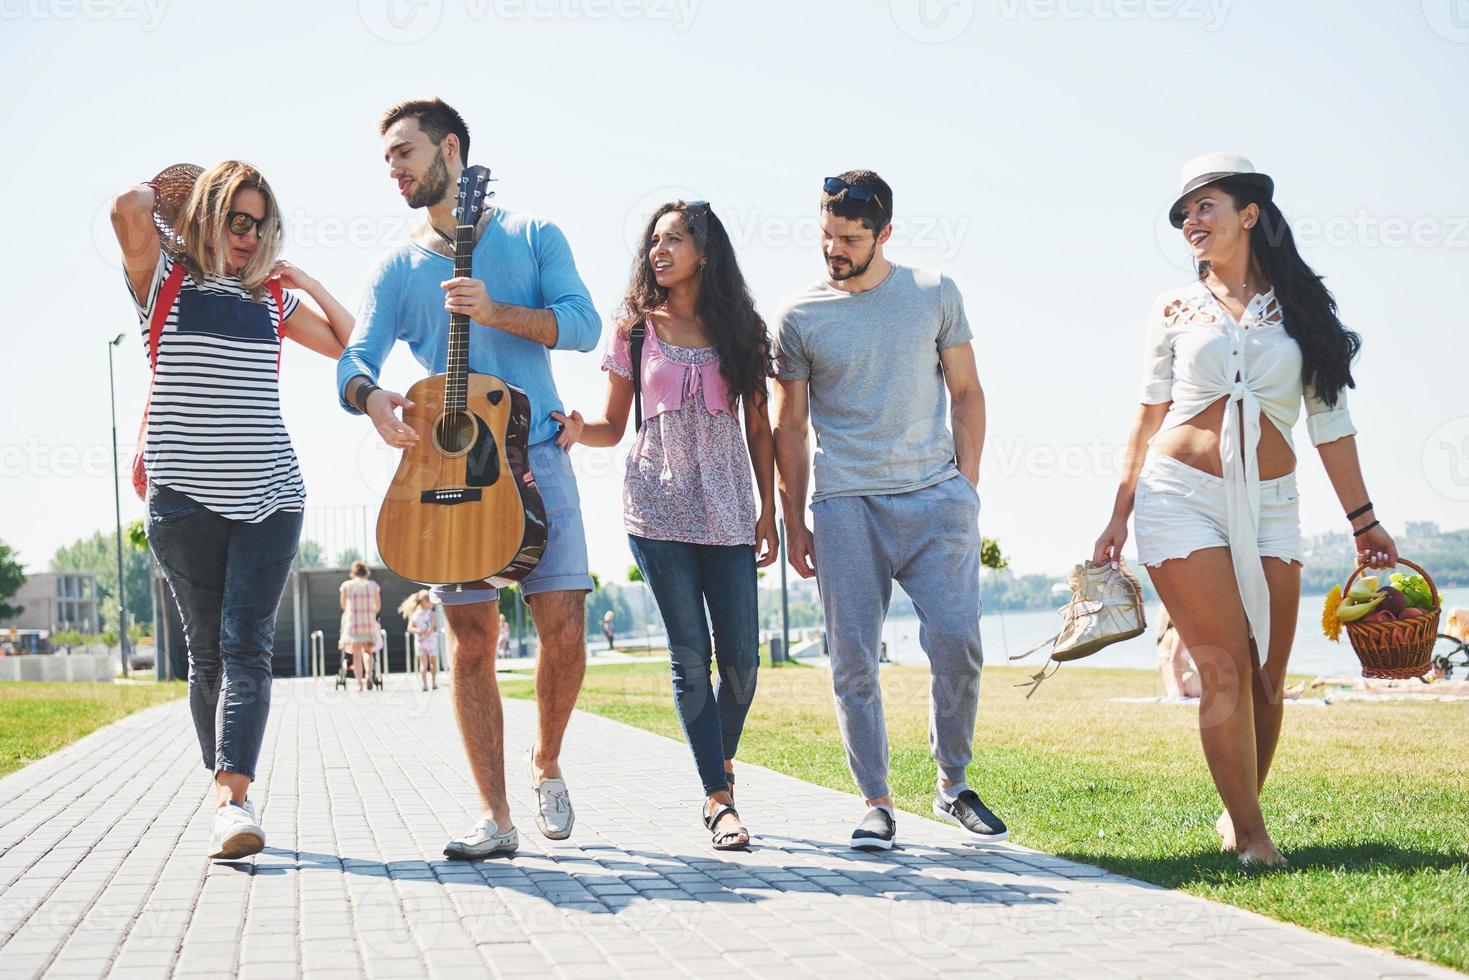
<point x="855" y="192"/>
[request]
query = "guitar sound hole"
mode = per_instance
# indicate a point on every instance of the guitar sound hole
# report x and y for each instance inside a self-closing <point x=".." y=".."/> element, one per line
<point x="455" y="432"/>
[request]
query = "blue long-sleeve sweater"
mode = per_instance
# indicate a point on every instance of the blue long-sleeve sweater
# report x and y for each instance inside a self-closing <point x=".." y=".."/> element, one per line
<point x="523" y="261"/>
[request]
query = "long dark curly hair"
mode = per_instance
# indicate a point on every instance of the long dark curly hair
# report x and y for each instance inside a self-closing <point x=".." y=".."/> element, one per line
<point x="724" y="305"/>
<point x="1307" y="306"/>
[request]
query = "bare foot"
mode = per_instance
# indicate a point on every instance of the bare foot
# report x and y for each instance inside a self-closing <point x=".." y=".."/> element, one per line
<point x="1225" y="828"/>
<point x="1262" y="855"/>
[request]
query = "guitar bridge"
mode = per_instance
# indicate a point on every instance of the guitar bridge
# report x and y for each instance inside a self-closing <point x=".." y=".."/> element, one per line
<point x="450" y="496"/>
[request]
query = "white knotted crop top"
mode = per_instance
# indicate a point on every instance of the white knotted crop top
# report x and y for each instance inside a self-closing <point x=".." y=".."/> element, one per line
<point x="1196" y="353"/>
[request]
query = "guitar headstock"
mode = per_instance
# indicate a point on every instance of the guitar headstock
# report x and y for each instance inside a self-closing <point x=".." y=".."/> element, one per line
<point x="474" y="194"/>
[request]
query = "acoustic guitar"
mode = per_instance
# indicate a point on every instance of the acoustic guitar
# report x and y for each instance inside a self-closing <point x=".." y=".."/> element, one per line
<point x="463" y="507"/>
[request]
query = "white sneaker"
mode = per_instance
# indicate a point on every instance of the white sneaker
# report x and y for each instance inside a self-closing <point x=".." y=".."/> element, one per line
<point x="483" y="839"/>
<point x="554" y="815"/>
<point x="236" y="833"/>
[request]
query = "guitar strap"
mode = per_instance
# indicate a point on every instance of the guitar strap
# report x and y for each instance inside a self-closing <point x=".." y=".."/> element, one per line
<point x="636" y="335"/>
<point x="168" y="292"/>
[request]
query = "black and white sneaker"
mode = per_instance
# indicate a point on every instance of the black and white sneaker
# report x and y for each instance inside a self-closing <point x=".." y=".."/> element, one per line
<point x="483" y="840"/>
<point x="876" y="832"/>
<point x="970" y="813"/>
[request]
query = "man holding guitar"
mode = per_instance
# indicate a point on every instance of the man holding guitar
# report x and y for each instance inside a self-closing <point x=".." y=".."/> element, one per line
<point x="538" y="304"/>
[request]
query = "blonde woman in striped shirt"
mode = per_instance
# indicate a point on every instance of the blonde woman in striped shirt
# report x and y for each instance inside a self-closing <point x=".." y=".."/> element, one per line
<point x="224" y="494"/>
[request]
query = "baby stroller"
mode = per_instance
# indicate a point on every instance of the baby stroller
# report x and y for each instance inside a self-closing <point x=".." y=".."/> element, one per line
<point x="344" y="669"/>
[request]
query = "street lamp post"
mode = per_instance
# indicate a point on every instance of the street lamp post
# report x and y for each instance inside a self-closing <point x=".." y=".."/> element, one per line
<point x="122" y="613"/>
<point x="785" y="602"/>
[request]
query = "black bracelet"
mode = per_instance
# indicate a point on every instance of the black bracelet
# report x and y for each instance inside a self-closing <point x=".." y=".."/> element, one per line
<point x="364" y="391"/>
<point x="1360" y="511"/>
<point x="1363" y="530"/>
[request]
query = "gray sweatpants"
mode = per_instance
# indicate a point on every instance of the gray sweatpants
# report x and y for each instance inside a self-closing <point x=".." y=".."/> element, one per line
<point x="928" y="540"/>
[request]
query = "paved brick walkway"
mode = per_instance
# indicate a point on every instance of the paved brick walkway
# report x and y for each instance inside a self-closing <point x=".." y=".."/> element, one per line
<point x="102" y="874"/>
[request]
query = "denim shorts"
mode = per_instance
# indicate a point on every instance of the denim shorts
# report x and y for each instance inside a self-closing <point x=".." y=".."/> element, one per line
<point x="1179" y="509"/>
<point x="563" y="566"/>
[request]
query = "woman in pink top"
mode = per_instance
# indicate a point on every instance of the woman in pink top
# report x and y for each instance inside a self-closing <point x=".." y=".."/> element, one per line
<point x="688" y="505"/>
<point x="361" y="602"/>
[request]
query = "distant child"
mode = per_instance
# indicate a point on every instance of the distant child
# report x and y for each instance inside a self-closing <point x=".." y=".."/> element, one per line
<point x="418" y="610"/>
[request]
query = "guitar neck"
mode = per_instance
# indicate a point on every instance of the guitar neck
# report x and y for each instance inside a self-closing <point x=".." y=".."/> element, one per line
<point x="456" y="387"/>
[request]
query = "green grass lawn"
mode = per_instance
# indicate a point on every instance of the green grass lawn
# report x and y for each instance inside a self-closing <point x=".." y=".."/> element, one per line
<point x="37" y="718"/>
<point x="661" y="653"/>
<point x="1370" y="801"/>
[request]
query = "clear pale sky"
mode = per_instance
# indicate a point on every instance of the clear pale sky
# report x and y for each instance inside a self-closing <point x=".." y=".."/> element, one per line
<point x="1033" y="146"/>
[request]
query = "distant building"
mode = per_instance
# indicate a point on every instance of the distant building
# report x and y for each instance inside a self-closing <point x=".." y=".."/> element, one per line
<point x="56" y="601"/>
<point x="1421" y="529"/>
<point x="1326" y="543"/>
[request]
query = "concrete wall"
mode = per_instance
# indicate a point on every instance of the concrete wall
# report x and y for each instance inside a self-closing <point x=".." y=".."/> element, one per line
<point x="59" y="667"/>
<point x="309" y="603"/>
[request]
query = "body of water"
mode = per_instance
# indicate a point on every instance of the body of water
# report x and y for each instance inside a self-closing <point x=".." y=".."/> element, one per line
<point x="1014" y="632"/>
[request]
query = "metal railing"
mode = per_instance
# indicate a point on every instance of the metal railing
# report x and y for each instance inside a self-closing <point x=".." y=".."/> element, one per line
<point x="380" y="657"/>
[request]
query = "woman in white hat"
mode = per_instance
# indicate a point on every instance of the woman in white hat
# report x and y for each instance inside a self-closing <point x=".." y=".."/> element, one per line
<point x="1210" y="479"/>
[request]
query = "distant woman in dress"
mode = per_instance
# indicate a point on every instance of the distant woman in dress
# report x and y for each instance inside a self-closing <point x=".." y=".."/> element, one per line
<point x="361" y="601"/>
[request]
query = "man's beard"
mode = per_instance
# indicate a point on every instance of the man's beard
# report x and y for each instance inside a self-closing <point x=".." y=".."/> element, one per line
<point x="431" y="188"/>
<point x="853" y="271"/>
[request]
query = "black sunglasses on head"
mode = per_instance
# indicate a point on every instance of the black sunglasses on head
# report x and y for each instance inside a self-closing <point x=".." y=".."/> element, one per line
<point x="855" y="192"/>
<point x="240" y="223"/>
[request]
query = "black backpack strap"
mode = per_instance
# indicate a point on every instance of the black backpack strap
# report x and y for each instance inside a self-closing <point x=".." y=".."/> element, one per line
<point x="636" y="335"/>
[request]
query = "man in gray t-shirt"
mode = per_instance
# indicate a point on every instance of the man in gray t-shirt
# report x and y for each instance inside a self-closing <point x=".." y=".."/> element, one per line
<point x="871" y="361"/>
<point x="867" y="357"/>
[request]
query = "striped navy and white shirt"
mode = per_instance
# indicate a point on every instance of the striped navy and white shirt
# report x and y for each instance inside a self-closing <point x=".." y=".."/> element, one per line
<point x="214" y="422"/>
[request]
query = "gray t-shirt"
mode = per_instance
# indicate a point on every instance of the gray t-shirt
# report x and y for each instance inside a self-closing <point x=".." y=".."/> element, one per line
<point x="878" y="401"/>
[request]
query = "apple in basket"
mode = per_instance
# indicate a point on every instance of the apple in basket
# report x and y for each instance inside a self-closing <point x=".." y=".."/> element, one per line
<point x="1413" y="612"/>
<point x="1393" y="601"/>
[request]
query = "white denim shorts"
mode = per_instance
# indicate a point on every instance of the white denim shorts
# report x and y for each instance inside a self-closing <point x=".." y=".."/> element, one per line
<point x="1178" y="509"/>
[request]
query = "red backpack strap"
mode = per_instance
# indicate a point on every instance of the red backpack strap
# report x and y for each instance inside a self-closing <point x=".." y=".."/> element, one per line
<point x="168" y="291"/>
<point x="162" y="305"/>
<point x="280" y="308"/>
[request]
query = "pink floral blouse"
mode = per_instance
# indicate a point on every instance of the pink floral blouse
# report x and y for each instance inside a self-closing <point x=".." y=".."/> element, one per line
<point x="689" y="476"/>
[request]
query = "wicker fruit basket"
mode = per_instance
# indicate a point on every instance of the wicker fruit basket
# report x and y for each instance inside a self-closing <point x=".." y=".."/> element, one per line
<point x="1401" y="648"/>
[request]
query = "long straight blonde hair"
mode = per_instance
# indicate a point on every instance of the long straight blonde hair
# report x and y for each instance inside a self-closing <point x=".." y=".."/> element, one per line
<point x="203" y="223"/>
